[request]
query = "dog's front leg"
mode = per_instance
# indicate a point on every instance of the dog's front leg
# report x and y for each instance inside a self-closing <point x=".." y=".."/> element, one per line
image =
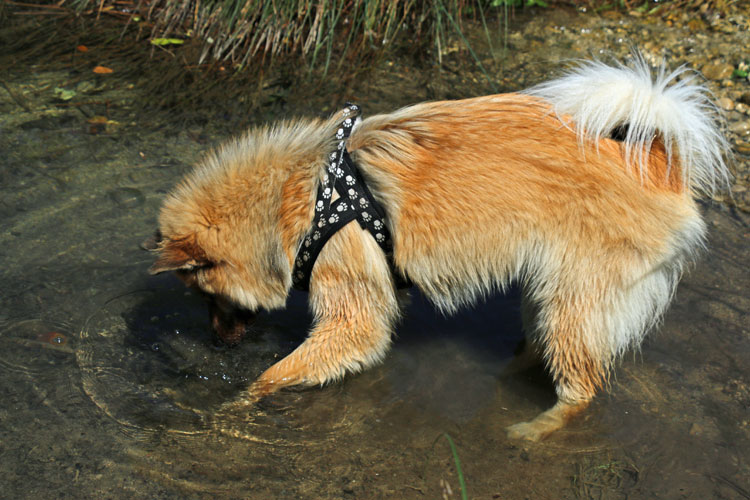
<point x="354" y="302"/>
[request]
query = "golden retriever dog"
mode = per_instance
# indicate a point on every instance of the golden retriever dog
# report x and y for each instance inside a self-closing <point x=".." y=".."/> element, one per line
<point x="580" y="189"/>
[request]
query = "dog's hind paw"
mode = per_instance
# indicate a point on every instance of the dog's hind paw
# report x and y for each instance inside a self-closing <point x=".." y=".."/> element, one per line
<point x="528" y="431"/>
<point x="546" y="422"/>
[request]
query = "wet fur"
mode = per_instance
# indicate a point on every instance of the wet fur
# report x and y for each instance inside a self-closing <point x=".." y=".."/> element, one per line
<point x="482" y="192"/>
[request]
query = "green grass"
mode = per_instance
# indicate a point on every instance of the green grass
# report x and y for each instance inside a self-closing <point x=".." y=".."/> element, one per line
<point x="318" y="34"/>
<point x="459" y="473"/>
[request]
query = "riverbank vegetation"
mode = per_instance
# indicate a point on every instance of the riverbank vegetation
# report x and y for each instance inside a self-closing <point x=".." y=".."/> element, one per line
<point x="315" y="35"/>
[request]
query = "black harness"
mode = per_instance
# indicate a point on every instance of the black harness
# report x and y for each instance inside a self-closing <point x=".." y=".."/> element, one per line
<point x="355" y="202"/>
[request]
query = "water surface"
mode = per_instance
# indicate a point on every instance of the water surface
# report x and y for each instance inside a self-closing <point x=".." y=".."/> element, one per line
<point x="112" y="386"/>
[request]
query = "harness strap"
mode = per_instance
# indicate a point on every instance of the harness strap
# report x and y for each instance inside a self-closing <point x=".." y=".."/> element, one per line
<point x="355" y="202"/>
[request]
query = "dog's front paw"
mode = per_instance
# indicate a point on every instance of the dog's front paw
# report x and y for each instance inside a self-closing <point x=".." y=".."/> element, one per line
<point x="265" y="386"/>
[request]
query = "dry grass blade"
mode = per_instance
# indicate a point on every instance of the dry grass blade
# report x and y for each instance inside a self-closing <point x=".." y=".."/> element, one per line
<point x="241" y="32"/>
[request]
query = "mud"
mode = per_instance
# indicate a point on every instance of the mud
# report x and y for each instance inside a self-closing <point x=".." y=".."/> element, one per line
<point x="112" y="386"/>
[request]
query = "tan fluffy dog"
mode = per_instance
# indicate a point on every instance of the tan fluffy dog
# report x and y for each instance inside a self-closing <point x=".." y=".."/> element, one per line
<point x="580" y="189"/>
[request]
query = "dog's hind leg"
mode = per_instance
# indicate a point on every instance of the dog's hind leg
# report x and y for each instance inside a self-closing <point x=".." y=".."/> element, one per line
<point x="528" y="354"/>
<point x="582" y="326"/>
<point x="568" y="337"/>
<point x="355" y="306"/>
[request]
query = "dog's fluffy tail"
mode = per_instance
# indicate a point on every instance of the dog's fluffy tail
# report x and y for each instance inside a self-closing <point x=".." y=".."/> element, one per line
<point x="604" y="100"/>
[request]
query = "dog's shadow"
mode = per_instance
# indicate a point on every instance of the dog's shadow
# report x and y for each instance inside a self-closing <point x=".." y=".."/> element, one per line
<point x="169" y="331"/>
<point x="452" y="362"/>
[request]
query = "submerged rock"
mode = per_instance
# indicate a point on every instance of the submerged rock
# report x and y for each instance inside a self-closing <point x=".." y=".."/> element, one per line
<point x="127" y="197"/>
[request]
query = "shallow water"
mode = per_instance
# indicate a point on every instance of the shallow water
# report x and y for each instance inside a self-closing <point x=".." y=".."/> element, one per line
<point x="112" y="387"/>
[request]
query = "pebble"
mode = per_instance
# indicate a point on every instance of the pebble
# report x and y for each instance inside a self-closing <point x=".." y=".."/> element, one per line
<point x="741" y="128"/>
<point x="726" y="103"/>
<point x="717" y="71"/>
<point x="127" y="197"/>
<point x="85" y="86"/>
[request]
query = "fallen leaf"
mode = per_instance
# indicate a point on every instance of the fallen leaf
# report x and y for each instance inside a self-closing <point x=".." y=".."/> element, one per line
<point x="82" y="48"/>
<point x="103" y="70"/>
<point x="101" y="125"/>
<point x="64" y="94"/>
<point x="167" y="41"/>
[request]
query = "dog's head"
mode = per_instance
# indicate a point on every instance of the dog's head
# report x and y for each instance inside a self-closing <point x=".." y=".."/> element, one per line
<point x="234" y="288"/>
<point x="232" y="227"/>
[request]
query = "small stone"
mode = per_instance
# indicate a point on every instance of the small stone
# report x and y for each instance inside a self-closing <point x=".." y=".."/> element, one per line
<point x="743" y="148"/>
<point x="127" y="197"/>
<point x="741" y="108"/>
<point x="85" y="86"/>
<point x="717" y="71"/>
<point x="741" y="128"/>
<point x="726" y="103"/>
<point x="696" y="24"/>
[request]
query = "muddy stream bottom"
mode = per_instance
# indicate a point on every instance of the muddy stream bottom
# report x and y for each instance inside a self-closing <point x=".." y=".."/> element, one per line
<point x="112" y="387"/>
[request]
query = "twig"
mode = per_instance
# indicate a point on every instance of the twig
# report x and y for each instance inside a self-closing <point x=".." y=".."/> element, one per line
<point x="414" y="488"/>
<point x="736" y="487"/>
<point x="77" y="104"/>
<point x="19" y="100"/>
<point x="40" y="13"/>
<point x="35" y="6"/>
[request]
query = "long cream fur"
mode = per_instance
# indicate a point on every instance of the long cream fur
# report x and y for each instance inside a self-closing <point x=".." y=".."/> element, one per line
<point x="479" y="193"/>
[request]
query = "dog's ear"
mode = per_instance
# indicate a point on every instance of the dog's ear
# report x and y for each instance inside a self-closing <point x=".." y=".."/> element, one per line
<point x="153" y="242"/>
<point x="182" y="254"/>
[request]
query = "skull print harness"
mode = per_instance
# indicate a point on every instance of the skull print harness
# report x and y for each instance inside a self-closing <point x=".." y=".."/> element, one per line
<point x="355" y="202"/>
